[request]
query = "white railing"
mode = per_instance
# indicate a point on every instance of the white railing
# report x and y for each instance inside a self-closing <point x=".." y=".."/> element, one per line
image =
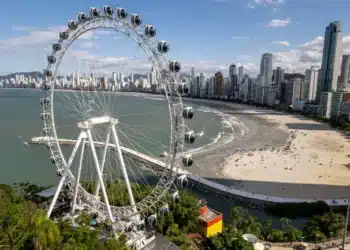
<point x="262" y="197"/>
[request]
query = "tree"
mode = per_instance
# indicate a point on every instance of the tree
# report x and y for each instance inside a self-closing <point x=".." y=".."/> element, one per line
<point x="285" y="223"/>
<point x="229" y="239"/>
<point x="45" y="232"/>
<point x="292" y="234"/>
<point x="330" y="224"/>
<point x="16" y="219"/>
<point x="266" y="229"/>
<point x="238" y="216"/>
<point x="244" y="222"/>
<point x="277" y="235"/>
<point x="252" y="226"/>
<point x="186" y="212"/>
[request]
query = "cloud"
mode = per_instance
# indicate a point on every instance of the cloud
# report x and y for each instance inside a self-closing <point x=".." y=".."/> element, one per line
<point x="240" y="37"/>
<point x="278" y="23"/>
<point x="252" y="3"/>
<point x="88" y="45"/>
<point x="316" y="44"/>
<point x="269" y="2"/>
<point x="282" y="43"/>
<point x="35" y="38"/>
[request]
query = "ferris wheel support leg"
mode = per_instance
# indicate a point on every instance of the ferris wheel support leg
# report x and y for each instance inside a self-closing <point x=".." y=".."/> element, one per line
<point x="98" y="184"/>
<point x="78" y="177"/>
<point x="66" y="172"/>
<point x="125" y="173"/>
<point x="97" y="165"/>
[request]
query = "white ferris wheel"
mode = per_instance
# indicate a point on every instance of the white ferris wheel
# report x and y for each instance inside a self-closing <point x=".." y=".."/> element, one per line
<point x="109" y="156"/>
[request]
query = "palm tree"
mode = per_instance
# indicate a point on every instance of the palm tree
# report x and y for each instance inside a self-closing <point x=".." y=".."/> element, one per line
<point x="45" y="232"/>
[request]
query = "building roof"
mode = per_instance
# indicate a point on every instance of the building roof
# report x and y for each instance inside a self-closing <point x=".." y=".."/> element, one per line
<point x="48" y="192"/>
<point x="209" y="215"/>
<point x="161" y="243"/>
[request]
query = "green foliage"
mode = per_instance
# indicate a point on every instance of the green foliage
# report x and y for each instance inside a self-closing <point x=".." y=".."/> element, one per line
<point x="181" y="220"/>
<point x="44" y="232"/>
<point x="186" y="212"/>
<point x="266" y="228"/>
<point x="346" y="127"/>
<point x="244" y="222"/>
<point x="16" y="219"/>
<point x="117" y="192"/>
<point x="328" y="225"/>
<point x="24" y="226"/>
<point x="28" y="191"/>
<point x="229" y="239"/>
<point x="277" y="235"/>
<point x="292" y="234"/>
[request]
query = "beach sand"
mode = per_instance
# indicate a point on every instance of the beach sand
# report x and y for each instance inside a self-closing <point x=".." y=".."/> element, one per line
<point x="314" y="154"/>
<point x="282" y="155"/>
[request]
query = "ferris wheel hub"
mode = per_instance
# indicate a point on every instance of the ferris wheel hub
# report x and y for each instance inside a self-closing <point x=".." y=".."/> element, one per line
<point x="97" y="121"/>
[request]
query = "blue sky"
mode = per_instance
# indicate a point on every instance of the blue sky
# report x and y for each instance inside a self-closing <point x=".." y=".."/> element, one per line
<point x="209" y="34"/>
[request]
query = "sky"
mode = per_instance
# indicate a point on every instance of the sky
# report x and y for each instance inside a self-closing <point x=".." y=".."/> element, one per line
<point x="206" y="34"/>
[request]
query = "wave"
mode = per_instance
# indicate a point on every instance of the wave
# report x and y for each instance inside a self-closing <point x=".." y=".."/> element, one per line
<point x="231" y="126"/>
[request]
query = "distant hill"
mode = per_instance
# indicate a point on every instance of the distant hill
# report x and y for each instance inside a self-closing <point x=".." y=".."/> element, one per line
<point x="32" y="74"/>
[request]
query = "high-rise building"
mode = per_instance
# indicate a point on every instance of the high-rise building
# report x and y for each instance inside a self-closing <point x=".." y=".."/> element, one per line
<point x="78" y="79"/>
<point x="192" y="74"/>
<point x="114" y="77"/>
<point x="266" y="69"/>
<point x="344" y="73"/>
<point x="219" y="84"/>
<point x="293" y="91"/>
<point x="232" y="70"/>
<point x="153" y="78"/>
<point x="332" y="50"/>
<point x="278" y="77"/>
<point x="233" y="90"/>
<point x="240" y="74"/>
<point x="310" y="90"/>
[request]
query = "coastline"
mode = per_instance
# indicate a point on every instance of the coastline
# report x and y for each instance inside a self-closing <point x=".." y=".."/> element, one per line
<point x="282" y="155"/>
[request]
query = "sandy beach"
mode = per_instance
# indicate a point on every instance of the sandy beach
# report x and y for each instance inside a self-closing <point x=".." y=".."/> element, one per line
<point x="313" y="154"/>
<point x="282" y="155"/>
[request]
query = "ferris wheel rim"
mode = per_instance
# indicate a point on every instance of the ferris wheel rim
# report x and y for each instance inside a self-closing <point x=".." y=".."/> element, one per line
<point x="164" y="183"/>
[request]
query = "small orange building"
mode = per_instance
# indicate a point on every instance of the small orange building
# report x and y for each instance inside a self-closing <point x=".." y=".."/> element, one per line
<point x="210" y="221"/>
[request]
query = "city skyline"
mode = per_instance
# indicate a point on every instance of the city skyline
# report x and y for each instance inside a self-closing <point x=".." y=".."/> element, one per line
<point x="273" y="26"/>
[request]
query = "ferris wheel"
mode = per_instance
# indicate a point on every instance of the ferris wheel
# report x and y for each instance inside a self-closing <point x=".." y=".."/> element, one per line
<point x="110" y="156"/>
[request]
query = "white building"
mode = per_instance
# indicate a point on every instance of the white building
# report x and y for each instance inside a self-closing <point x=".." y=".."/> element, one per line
<point x="344" y="81"/>
<point x="266" y="69"/>
<point x="240" y="74"/>
<point x="310" y="90"/>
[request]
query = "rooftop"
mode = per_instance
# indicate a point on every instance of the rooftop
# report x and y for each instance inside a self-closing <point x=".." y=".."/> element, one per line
<point x="48" y="192"/>
<point x="161" y="243"/>
<point x="209" y="215"/>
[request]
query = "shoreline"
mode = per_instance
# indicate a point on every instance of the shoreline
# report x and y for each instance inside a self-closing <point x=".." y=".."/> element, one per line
<point x="301" y="159"/>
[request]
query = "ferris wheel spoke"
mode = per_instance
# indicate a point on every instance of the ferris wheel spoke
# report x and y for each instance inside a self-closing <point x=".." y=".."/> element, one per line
<point x="131" y="143"/>
<point x="145" y="139"/>
<point x="123" y="124"/>
<point x="136" y="114"/>
<point x="135" y="133"/>
<point x="69" y="104"/>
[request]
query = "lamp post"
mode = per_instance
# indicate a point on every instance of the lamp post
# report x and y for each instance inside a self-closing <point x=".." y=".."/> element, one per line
<point x="346" y="225"/>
